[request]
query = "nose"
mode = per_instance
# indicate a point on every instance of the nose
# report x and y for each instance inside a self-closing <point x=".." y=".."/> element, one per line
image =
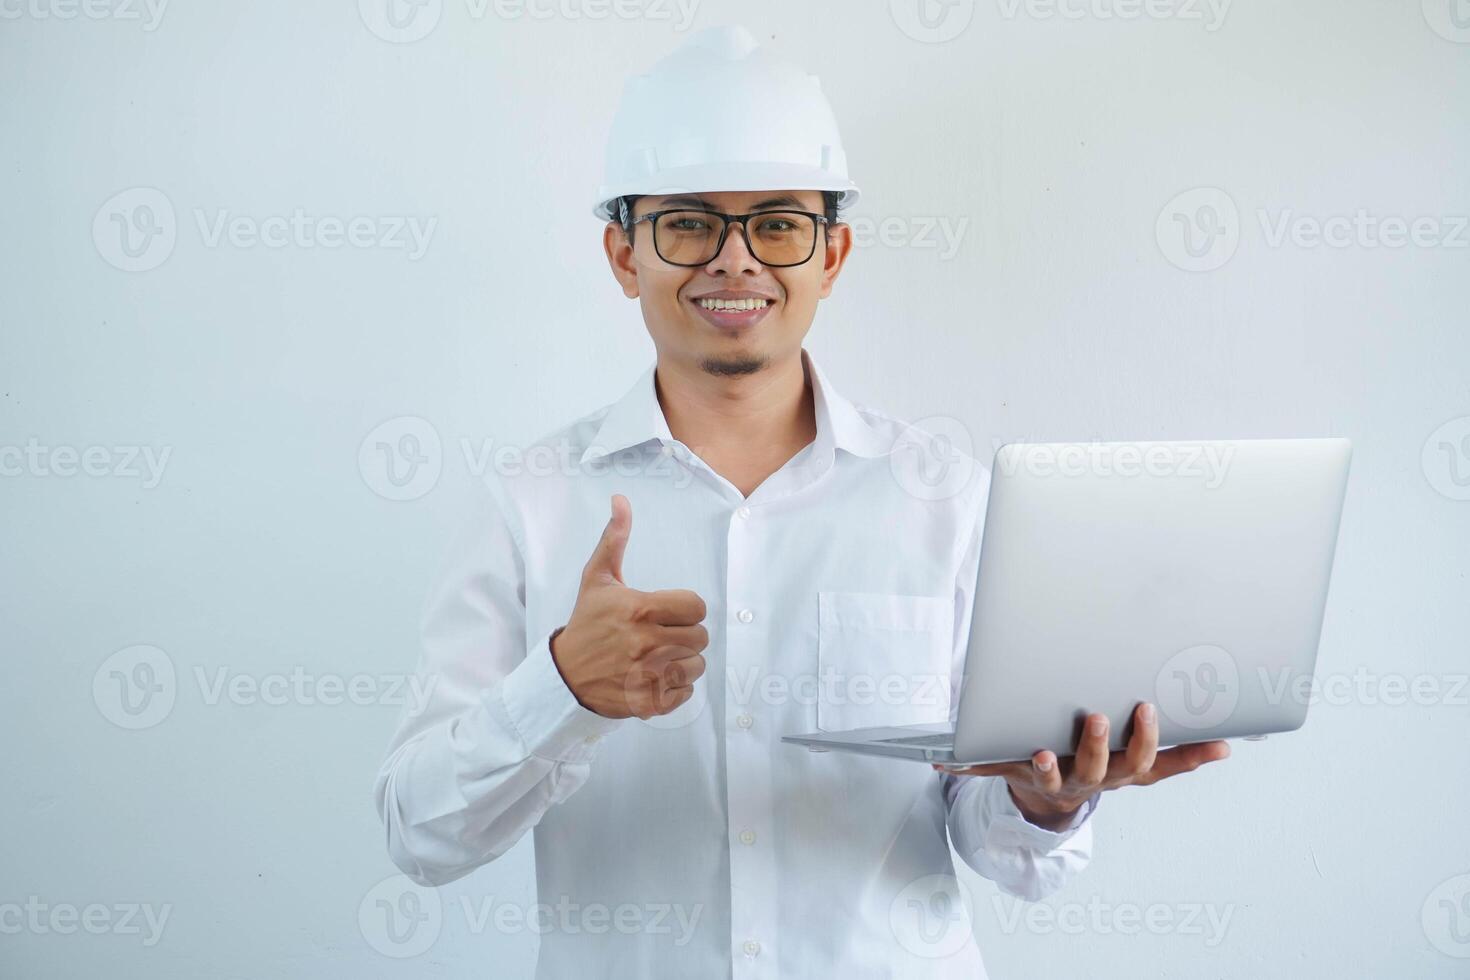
<point x="734" y="256"/>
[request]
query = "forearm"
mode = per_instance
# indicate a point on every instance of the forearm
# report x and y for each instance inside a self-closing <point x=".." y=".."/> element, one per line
<point x="1046" y="818"/>
<point x="994" y="838"/>
<point x="459" y="791"/>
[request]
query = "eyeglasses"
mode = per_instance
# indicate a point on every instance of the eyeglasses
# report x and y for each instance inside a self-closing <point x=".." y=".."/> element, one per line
<point x="692" y="237"/>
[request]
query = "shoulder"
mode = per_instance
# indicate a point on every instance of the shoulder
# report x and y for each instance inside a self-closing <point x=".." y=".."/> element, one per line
<point x="935" y="457"/>
<point x="540" y="475"/>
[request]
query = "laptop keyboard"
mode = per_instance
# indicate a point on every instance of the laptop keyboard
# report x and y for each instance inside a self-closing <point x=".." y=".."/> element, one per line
<point x="943" y="738"/>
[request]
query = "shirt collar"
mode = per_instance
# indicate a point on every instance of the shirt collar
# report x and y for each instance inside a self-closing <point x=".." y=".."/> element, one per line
<point x="637" y="418"/>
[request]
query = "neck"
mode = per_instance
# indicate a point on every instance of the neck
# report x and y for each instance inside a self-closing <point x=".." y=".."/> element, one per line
<point x="769" y="412"/>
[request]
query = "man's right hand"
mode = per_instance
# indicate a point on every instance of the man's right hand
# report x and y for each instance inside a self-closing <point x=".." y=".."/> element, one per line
<point x="627" y="653"/>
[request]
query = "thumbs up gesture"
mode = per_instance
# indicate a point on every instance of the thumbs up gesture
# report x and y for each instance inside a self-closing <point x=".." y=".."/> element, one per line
<point x="626" y="653"/>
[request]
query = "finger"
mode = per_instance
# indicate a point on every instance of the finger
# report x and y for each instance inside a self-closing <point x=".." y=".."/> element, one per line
<point x="673" y="698"/>
<point x="1143" y="745"/>
<point x="1186" y="758"/>
<point x="657" y="689"/>
<point x="1091" y="764"/>
<point x="606" y="563"/>
<point x="657" y="659"/>
<point x="1045" y="772"/>
<point x="682" y="672"/>
<point x="674" y="607"/>
<point x="691" y="639"/>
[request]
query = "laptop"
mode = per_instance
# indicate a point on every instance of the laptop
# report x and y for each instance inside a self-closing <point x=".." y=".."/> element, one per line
<point x="1190" y="574"/>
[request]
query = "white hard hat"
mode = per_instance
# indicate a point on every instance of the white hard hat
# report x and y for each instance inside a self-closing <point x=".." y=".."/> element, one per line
<point x="722" y="113"/>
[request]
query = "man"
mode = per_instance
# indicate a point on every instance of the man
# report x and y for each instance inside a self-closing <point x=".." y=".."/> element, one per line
<point x="761" y="562"/>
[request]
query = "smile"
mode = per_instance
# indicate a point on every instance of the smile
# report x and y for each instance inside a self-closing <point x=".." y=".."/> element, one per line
<point x="737" y="312"/>
<point x="734" y="305"/>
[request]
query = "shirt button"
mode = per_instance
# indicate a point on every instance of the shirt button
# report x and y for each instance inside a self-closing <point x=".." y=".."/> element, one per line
<point x="752" y="948"/>
<point x="742" y="513"/>
<point x="745" y="721"/>
<point x="745" y="615"/>
<point x="592" y="739"/>
<point x="666" y="450"/>
<point x="747" y="837"/>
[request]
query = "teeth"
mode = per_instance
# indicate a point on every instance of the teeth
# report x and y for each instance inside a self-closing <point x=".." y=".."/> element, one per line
<point x="734" y="305"/>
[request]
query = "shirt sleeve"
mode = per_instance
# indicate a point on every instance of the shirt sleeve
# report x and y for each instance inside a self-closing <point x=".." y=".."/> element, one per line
<point x="986" y="828"/>
<point x="493" y="737"/>
<point x="990" y="835"/>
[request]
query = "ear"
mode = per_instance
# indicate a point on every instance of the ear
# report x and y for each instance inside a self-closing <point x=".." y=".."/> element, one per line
<point x="834" y="254"/>
<point x="619" y="249"/>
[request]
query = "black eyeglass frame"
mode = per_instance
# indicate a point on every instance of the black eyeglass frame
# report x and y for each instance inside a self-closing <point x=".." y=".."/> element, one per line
<point x="729" y="219"/>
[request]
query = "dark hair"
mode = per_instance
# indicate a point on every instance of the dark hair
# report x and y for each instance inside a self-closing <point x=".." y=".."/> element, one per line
<point x="622" y="210"/>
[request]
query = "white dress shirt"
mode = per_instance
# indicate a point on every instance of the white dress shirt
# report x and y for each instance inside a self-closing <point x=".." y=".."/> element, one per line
<point x="697" y="844"/>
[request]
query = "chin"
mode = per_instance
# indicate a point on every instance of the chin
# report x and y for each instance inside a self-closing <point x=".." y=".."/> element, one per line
<point x="732" y="365"/>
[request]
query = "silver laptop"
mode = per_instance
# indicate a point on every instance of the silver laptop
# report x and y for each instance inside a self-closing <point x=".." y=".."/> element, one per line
<point x="1190" y="574"/>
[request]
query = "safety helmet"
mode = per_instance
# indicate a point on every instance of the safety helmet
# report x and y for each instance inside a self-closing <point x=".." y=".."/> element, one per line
<point x="723" y="113"/>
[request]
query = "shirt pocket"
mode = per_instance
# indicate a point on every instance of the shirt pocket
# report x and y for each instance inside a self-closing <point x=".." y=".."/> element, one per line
<point x="882" y="659"/>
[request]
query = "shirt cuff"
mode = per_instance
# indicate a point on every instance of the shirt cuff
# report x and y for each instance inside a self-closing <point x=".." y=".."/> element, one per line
<point x="547" y="716"/>
<point x="1008" y="815"/>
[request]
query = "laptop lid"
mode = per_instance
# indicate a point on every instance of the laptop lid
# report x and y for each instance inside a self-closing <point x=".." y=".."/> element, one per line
<point x="1190" y="574"/>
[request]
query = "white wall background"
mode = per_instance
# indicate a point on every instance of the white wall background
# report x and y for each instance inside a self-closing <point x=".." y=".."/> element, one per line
<point x="1050" y="143"/>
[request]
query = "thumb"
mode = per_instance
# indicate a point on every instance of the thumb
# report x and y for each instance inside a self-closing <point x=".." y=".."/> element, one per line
<point x="607" y="557"/>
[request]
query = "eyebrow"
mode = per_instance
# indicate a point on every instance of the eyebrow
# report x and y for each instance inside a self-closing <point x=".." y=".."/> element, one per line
<point x="784" y="200"/>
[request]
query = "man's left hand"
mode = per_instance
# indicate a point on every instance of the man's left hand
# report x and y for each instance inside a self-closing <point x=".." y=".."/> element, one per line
<point x="1049" y="791"/>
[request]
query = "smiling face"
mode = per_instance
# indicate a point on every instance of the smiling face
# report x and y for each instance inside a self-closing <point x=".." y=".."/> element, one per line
<point x="732" y="315"/>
